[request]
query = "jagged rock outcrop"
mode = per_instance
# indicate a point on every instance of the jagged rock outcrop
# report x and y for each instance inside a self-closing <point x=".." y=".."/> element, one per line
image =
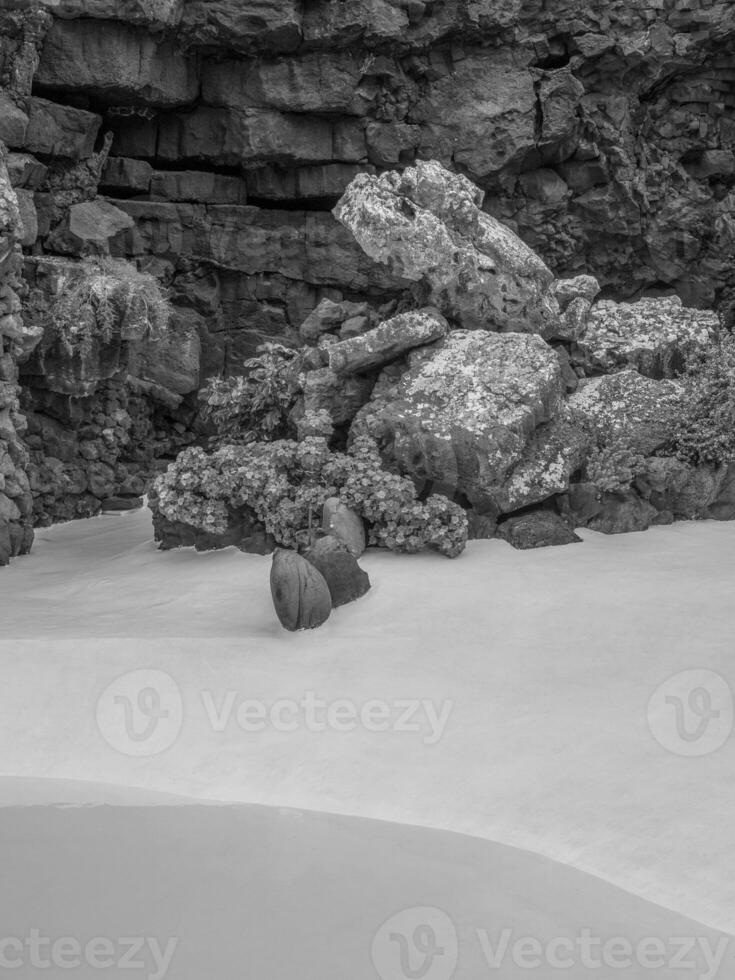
<point x="597" y="132"/>
<point x="655" y="336"/>
<point x="627" y="404"/>
<point x="16" y="502"/>
<point x="426" y="225"/>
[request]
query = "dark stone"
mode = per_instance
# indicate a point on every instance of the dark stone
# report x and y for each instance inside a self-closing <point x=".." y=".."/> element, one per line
<point x="244" y="532"/>
<point x="300" y="593"/>
<point x="537" y="529"/>
<point x="6" y="547"/>
<point x="623" y="513"/>
<point x="584" y="503"/>
<point x="481" y="526"/>
<point x="344" y="577"/>
<point x="122" y="503"/>
<point x="723" y="508"/>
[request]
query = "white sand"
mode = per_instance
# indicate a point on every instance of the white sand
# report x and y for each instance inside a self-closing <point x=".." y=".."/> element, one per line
<point x="549" y="658"/>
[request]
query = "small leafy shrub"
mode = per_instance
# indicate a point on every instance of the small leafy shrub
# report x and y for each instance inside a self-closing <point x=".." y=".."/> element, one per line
<point x="286" y="484"/>
<point x="706" y="422"/>
<point x="103" y="297"/>
<point x="257" y="404"/>
<point x="613" y="466"/>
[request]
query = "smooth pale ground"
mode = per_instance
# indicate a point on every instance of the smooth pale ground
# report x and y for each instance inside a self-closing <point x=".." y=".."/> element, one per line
<point x="274" y="894"/>
<point x="549" y="657"/>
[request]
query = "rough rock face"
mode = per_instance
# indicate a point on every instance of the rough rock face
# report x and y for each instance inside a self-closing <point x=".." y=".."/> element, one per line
<point x="599" y="130"/>
<point x="426" y="226"/>
<point x="598" y="133"/>
<point x="630" y="405"/>
<point x="386" y="342"/>
<point x="463" y="414"/>
<point x="16" y="502"/>
<point x="653" y="335"/>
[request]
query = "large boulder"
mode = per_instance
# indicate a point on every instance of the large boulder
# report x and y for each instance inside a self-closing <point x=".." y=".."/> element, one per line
<point x="463" y="414"/>
<point x="654" y="335"/>
<point x="537" y="529"/>
<point x="426" y="225"/>
<point x="641" y="410"/>
<point x="549" y="459"/>
<point x="300" y="593"/>
<point x="387" y="342"/>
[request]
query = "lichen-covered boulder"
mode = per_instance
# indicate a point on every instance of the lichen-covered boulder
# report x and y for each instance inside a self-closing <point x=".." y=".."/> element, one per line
<point x="550" y="457"/>
<point x="654" y="335"/>
<point x="463" y="414"/>
<point x="426" y="225"/>
<point x="641" y="410"/>
<point x="300" y="593"/>
<point x="388" y="341"/>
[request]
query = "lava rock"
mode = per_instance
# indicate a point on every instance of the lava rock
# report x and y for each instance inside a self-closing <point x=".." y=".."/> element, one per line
<point x="463" y="414"/>
<point x="622" y="513"/>
<point x="344" y="577"/>
<point x="345" y="525"/>
<point x="122" y="503"/>
<point x="388" y="341"/>
<point x="426" y="225"/>
<point x="537" y="529"/>
<point x="301" y="596"/>
<point x="655" y="336"/>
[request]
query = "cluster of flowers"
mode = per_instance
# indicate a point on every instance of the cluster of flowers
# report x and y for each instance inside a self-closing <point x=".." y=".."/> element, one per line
<point x="286" y="483"/>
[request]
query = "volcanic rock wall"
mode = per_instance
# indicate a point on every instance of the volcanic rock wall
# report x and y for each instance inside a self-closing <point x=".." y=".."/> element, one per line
<point x="16" y="502"/>
<point x="602" y="132"/>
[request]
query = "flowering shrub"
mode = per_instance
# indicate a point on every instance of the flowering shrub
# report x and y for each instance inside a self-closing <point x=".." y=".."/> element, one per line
<point x="286" y="484"/>
<point x="706" y="420"/>
<point x="613" y="466"/>
<point x="257" y="404"/>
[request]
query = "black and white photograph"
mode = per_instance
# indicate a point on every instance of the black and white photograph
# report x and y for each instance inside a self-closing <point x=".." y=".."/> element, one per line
<point x="367" y="489"/>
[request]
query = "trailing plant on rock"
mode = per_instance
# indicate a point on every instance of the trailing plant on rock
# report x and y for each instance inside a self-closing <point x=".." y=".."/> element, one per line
<point x="103" y="297"/>
<point x="706" y="422"/>
<point x="257" y="404"/>
<point x="286" y="484"/>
